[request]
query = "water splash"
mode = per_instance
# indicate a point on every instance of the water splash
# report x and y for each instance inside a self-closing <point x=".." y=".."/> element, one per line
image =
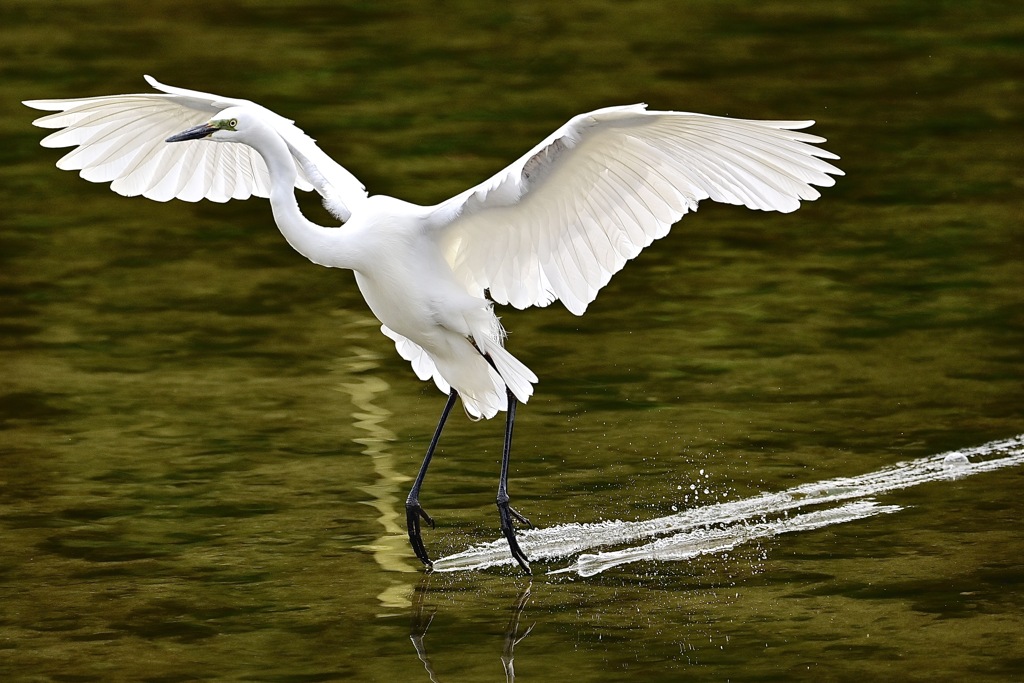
<point x="705" y="541"/>
<point x="719" y="527"/>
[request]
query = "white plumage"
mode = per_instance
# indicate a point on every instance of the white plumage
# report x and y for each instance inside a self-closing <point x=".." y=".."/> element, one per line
<point x="120" y="140"/>
<point x="566" y="216"/>
<point x="556" y="224"/>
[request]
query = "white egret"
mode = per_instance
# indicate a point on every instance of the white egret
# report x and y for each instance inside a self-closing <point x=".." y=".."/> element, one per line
<point x="554" y="225"/>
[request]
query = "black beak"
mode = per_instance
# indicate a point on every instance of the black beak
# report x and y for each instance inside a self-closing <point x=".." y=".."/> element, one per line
<point x="195" y="133"/>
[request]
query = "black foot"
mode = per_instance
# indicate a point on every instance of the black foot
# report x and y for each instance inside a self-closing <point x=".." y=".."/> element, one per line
<point x="413" y="514"/>
<point x="507" y="514"/>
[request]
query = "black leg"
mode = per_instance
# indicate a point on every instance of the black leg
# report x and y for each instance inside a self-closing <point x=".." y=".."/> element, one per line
<point x="413" y="510"/>
<point x="505" y="512"/>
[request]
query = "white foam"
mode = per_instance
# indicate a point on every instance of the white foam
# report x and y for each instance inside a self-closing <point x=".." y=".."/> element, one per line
<point x="568" y="540"/>
<point x="705" y="540"/>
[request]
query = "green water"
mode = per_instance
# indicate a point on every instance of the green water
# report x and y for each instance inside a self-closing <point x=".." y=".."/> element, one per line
<point x="205" y="441"/>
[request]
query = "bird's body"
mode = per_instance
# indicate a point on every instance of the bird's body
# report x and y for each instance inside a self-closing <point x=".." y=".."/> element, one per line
<point x="413" y="292"/>
<point x="556" y="224"/>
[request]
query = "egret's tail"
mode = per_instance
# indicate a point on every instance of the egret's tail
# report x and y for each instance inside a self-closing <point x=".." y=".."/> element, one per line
<point x="480" y="385"/>
<point x="481" y="380"/>
<point x="514" y="374"/>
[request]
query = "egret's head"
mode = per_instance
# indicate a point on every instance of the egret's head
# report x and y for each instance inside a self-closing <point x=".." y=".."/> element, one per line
<point x="227" y="126"/>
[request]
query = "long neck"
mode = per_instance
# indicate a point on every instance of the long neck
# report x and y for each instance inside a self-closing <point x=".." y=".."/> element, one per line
<point x="324" y="246"/>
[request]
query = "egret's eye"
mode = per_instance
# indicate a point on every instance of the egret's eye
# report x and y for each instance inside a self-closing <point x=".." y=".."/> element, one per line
<point x="233" y="123"/>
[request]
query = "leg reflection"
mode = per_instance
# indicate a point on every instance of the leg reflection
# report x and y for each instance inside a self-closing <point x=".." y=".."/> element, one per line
<point x="423" y="615"/>
<point x="512" y="637"/>
<point x="421" y="618"/>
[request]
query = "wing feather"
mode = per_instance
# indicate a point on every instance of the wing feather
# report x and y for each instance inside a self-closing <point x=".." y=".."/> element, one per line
<point x="564" y="218"/>
<point x="119" y="139"/>
<point x="420" y="360"/>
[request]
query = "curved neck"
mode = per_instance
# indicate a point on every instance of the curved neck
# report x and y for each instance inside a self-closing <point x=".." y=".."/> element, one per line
<point x="323" y="246"/>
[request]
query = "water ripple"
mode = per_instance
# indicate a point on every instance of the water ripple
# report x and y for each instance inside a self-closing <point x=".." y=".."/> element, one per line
<point x="722" y="526"/>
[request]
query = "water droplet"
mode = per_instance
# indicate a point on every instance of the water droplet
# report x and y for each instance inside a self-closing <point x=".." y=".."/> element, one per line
<point x="956" y="461"/>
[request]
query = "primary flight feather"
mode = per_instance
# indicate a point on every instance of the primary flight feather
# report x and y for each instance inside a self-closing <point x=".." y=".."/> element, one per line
<point x="556" y="224"/>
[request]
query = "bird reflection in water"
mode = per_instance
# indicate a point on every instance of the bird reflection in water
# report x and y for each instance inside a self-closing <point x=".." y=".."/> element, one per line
<point x="423" y="615"/>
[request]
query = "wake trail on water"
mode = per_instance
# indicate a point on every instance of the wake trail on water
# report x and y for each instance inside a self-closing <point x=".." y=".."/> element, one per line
<point x="722" y="526"/>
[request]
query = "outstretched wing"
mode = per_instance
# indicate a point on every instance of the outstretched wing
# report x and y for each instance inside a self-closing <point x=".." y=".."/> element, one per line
<point x="565" y="217"/>
<point x="120" y="139"/>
